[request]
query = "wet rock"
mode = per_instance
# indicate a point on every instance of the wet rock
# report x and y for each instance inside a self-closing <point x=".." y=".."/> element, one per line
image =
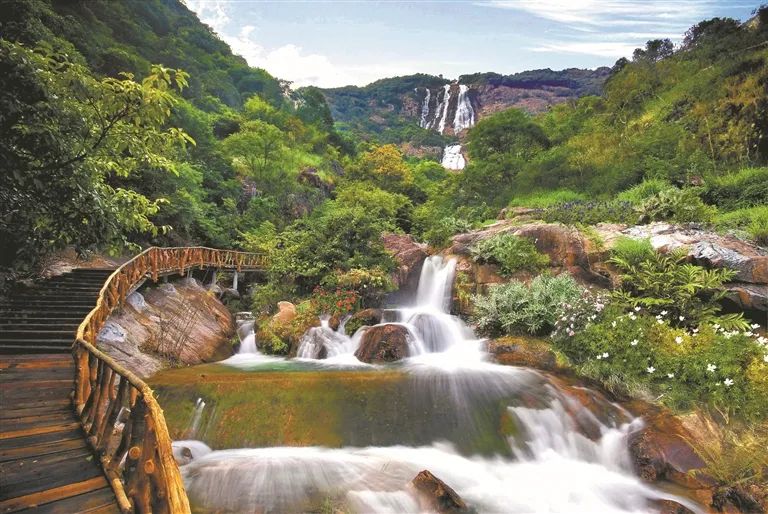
<point x="111" y="333"/>
<point x="230" y="293"/>
<point x="736" y="499"/>
<point x="286" y="312"/>
<point x="409" y="256"/>
<point x="365" y="317"/>
<point x="671" y="507"/>
<point x="660" y="451"/>
<point x="136" y="300"/>
<point x="438" y="495"/>
<point x="383" y="343"/>
<point x="523" y="351"/>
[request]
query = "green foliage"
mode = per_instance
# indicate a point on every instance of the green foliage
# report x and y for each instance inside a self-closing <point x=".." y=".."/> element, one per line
<point x="666" y="285"/>
<point x="544" y="199"/>
<point x="682" y="368"/>
<point x="589" y="213"/>
<point x="677" y="205"/>
<point x="736" y="459"/>
<point x="632" y="252"/>
<point x="510" y="252"/>
<point x="515" y="307"/>
<point x="746" y="188"/>
<point x="646" y="189"/>
<point x="393" y="208"/>
<point x="369" y="285"/>
<point x="69" y="138"/>
<point x="752" y="220"/>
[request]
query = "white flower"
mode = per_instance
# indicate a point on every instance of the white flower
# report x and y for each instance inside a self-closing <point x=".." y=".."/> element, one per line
<point x="716" y="326"/>
<point x="711" y="368"/>
<point x="599" y="357"/>
<point x="650" y="369"/>
<point x="664" y="313"/>
<point x="634" y="342"/>
<point x="679" y="339"/>
<point x="637" y="309"/>
<point x="613" y="324"/>
<point x="765" y="358"/>
<point x="755" y="326"/>
<point x="762" y="340"/>
<point x="695" y="330"/>
<point x="670" y="375"/>
<point x="660" y="321"/>
<point x="681" y="318"/>
<point x="632" y="317"/>
<point x="728" y="382"/>
<point x="748" y="334"/>
<point x="571" y="333"/>
<point x="605" y="355"/>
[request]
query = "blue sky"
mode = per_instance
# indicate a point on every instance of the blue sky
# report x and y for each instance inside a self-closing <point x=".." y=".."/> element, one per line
<point x="332" y="43"/>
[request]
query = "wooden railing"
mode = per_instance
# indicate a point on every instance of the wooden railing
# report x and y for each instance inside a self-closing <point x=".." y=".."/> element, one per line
<point x="122" y="420"/>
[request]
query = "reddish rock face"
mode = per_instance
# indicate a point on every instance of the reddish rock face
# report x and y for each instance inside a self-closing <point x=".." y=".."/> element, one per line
<point x="409" y="256"/>
<point x="437" y="495"/>
<point x="383" y="343"/>
<point x="661" y="451"/>
<point x="361" y="318"/>
<point x="286" y="312"/>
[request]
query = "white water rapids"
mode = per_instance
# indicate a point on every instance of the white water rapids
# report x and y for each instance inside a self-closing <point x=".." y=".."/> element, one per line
<point x="563" y="458"/>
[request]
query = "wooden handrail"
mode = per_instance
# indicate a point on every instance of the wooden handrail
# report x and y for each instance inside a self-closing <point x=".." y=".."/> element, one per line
<point x="123" y="422"/>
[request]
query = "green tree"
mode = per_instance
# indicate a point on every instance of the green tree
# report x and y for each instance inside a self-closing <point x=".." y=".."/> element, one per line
<point x="69" y="139"/>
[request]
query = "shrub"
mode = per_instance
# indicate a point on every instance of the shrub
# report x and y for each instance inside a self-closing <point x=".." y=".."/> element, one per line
<point x="746" y="188"/>
<point x="510" y="252"/>
<point x="632" y="251"/>
<point x="590" y="213"/>
<point x="752" y="220"/>
<point x="665" y="285"/>
<point x="644" y="190"/>
<point x="677" y="205"/>
<point x="545" y="199"/>
<point x="367" y="284"/>
<point x="516" y="307"/>
<point x="681" y="367"/>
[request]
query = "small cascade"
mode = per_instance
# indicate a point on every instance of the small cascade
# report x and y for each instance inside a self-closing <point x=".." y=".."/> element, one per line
<point x="197" y="416"/>
<point x="436" y="284"/>
<point x="324" y="342"/>
<point x="453" y="159"/>
<point x="443" y="108"/>
<point x="248" y="343"/>
<point x="465" y="115"/>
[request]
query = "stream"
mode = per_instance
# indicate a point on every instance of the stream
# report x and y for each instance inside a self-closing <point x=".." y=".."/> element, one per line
<point x="268" y="434"/>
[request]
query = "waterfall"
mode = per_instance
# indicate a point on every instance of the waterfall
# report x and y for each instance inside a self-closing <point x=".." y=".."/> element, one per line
<point x="465" y="116"/>
<point x="444" y="105"/>
<point x="197" y="415"/>
<point x="248" y="343"/>
<point x="453" y="159"/>
<point x="424" y="121"/>
<point x="565" y="455"/>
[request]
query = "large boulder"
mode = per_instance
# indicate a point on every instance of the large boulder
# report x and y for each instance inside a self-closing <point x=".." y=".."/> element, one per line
<point x="437" y="495"/>
<point x="522" y="351"/>
<point x="286" y="312"/>
<point x="409" y="256"/>
<point x="383" y="343"/>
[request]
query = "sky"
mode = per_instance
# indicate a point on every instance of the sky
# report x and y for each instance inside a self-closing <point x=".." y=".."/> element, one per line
<point x="330" y="43"/>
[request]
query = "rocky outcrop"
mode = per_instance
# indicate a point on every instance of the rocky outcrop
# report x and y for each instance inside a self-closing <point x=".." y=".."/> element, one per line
<point x="749" y="288"/>
<point x="383" y="343"/>
<point x="286" y="312"/>
<point x="409" y="256"/>
<point x="523" y="351"/>
<point x="437" y="495"/>
<point x="179" y="322"/>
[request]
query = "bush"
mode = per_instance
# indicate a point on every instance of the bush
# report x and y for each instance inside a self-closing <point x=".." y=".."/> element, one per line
<point x="632" y="251"/>
<point x="510" y="252"/>
<point x="752" y="220"/>
<point x="665" y="285"/>
<point x="644" y="190"/>
<point x="590" y="213"/>
<point x="746" y="188"/>
<point x="516" y="307"/>
<point x="545" y="199"/>
<point x="368" y="284"/>
<point x="681" y="367"/>
<point x="677" y="205"/>
<point x="440" y="231"/>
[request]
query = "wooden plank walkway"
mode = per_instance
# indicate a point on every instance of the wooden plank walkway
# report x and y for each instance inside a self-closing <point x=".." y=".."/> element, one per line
<point x="45" y="463"/>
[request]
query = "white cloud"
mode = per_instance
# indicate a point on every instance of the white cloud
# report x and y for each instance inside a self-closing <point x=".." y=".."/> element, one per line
<point x="614" y="49"/>
<point x="211" y="12"/>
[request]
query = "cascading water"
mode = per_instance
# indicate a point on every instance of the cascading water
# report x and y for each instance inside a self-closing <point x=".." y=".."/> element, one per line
<point x="560" y="455"/>
<point x="443" y="108"/>
<point x="465" y="115"/>
<point x="424" y="120"/>
<point x="453" y="159"/>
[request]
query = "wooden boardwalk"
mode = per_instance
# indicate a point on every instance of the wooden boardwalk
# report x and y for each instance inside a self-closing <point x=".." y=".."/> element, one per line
<point x="46" y="464"/>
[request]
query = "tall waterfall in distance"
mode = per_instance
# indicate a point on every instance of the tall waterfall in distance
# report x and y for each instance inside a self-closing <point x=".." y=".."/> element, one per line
<point x="465" y="115"/>
<point x="424" y="121"/>
<point x="444" y="105"/>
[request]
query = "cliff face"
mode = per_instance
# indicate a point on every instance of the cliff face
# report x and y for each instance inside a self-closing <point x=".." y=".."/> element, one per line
<point x="424" y="111"/>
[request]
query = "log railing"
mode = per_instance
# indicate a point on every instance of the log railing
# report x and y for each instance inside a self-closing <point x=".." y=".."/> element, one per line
<point x="122" y="420"/>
